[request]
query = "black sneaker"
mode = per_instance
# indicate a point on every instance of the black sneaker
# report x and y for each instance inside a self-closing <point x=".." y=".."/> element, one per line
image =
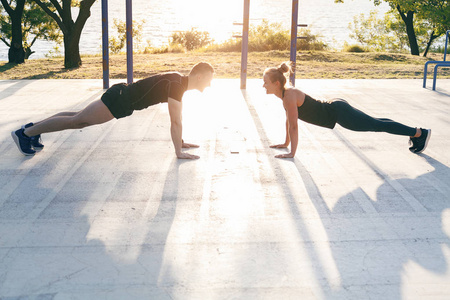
<point x="413" y="143"/>
<point x="23" y="142"/>
<point x="421" y="142"/>
<point x="36" y="141"/>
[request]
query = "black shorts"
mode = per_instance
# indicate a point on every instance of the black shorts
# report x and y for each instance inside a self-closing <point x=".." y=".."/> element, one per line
<point x="117" y="100"/>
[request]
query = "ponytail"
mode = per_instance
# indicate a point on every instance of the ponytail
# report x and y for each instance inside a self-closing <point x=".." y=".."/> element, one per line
<point x="285" y="67"/>
<point x="277" y="74"/>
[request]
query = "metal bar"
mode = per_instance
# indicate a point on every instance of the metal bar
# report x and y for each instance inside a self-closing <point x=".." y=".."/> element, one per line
<point x="244" y="50"/>
<point x="294" y="39"/>
<point x="439" y="64"/>
<point x="129" y="24"/>
<point x="105" y="42"/>
<point x="446" y="44"/>
<point x="425" y="74"/>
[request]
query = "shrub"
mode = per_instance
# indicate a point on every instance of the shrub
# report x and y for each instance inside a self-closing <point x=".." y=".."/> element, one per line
<point x="270" y="36"/>
<point x="231" y="45"/>
<point x="191" y="39"/>
<point x="354" y="48"/>
<point x="164" y="49"/>
<point x="310" y="42"/>
<point x="117" y="43"/>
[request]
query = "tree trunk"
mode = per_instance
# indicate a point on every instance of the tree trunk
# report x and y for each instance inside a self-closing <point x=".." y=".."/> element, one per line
<point x="72" y="58"/>
<point x="71" y="30"/>
<point x="430" y="41"/>
<point x="408" y="19"/>
<point x="28" y="52"/>
<point x="16" y="53"/>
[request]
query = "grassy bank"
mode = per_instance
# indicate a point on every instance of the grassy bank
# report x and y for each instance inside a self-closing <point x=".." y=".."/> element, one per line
<point x="316" y="64"/>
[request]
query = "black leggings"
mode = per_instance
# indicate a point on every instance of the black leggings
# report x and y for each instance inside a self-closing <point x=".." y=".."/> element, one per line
<point x="356" y="120"/>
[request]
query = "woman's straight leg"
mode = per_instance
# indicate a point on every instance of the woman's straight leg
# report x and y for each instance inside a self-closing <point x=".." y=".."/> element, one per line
<point x="356" y="120"/>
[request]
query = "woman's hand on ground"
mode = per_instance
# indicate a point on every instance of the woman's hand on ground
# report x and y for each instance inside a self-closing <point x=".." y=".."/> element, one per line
<point x="280" y="146"/>
<point x="289" y="155"/>
<point x="187" y="145"/>
<point x="184" y="155"/>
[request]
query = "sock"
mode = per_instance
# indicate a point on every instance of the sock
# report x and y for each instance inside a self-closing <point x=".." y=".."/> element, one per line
<point x="23" y="132"/>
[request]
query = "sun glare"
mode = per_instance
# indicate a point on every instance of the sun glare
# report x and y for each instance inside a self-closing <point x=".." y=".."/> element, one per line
<point x="214" y="17"/>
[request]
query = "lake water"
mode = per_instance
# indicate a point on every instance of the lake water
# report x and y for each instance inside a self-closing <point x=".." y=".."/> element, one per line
<point x="162" y="17"/>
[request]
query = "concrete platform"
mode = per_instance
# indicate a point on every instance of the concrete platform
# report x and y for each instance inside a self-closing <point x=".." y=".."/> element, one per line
<point x="108" y="212"/>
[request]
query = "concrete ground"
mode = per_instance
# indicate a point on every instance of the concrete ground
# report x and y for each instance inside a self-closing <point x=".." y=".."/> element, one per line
<point x="108" y="212"/>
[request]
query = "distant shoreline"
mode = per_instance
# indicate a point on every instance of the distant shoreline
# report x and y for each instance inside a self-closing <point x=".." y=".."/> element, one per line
<point x="324" y="17"/>
<point x="310" y="64"/>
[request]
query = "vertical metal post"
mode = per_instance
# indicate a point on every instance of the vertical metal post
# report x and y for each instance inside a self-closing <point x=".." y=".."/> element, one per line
<point x="446" y="44"/>
<point x="294" y="39"/>
<point x="105" y="42"/>
<point x="244" y="49"/>
<point x="129" y="24"/>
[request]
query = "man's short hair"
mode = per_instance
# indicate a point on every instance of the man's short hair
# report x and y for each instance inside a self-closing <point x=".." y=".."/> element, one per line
<point x="201" y="67"/>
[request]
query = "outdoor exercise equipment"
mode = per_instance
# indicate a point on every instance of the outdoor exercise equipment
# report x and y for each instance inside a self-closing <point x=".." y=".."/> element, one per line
<point x="105" y="42"/>
<point x="442" y="63"/>
<point x="244" y="50"/>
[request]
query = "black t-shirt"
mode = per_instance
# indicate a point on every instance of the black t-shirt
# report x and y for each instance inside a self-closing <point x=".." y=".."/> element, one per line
<point x="317" y="112"/>
<point x="156" y="89"/>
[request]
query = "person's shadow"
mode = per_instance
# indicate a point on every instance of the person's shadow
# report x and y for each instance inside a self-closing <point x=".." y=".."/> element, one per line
<point x="377" y="253"/>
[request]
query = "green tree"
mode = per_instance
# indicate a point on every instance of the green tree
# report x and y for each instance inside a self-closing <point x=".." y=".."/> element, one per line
<point x="61" y="12"/>
<point x="434" y="13"/>
<point x="406" y="10"/>
<point x="117" y="43"/>
<point x="370" y="31"/>
<point x="383" y="34"/>
<point x="16" y="53"/>
<point x="36" y="24"/>
<point x="437" y="12"/>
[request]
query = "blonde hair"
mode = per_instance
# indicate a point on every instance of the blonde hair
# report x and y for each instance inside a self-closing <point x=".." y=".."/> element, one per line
<point x="277" y="74"/>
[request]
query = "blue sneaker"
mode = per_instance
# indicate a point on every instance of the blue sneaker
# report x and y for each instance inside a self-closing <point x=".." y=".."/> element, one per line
<point x="36" y="141"/>
<point x="23" y="142"/>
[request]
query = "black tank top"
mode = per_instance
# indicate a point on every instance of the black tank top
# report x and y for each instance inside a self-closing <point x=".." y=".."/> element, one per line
<point x="317" y="112"/>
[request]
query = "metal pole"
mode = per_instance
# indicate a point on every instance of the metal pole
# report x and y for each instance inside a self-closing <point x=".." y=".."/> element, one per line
<point x="129" y="24"/>
<point x="105" y="42"/>
<point x="294" y="39"/>
<point x="446" y="44"/>
<point x="244" y="50"/>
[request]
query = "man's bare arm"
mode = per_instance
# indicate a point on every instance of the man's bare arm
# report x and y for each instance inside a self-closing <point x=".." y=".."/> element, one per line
<point x="176" y="128"/>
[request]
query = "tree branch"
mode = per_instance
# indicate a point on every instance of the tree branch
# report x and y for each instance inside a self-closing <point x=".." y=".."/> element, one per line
<point x="34" y="40"/>
<point x="402" y="14"/>
<point x="7" y="7"/>
<point x="4" y="41"/>
<point x="57" y="6"/>
<point x="83" y="15"/>
<point x="51" y="14"/>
